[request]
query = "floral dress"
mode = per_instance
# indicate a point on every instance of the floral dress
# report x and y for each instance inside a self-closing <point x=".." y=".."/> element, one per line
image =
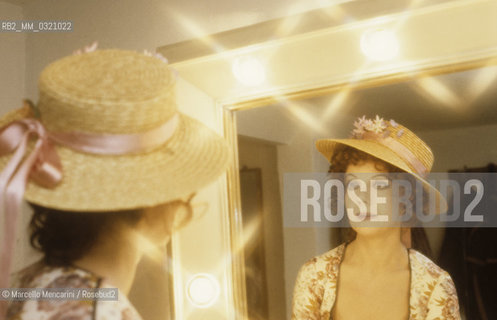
<point x="40" y="275"/>
<point x="432" y="292"/>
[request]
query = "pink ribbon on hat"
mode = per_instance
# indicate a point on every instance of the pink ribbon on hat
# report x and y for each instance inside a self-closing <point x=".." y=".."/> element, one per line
<point x="43" y="165"/>
<point x="399" y="149"/>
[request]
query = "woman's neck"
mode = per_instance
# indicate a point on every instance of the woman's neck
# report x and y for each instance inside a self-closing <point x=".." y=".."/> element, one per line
<point x="384" y="251"/>
<point x="115" y="259"/>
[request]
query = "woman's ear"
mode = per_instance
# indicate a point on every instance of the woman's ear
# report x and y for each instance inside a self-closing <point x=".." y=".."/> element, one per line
<point x="157" y="222"/>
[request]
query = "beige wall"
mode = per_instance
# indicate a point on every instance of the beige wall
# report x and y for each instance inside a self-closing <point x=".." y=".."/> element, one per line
<point x="12" y="91"/>
<point x="300" y="244"/>
<point x="13" y="60"/>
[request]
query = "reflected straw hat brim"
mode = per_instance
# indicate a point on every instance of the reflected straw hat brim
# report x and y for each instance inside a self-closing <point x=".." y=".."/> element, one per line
<point x="327" y="148"/>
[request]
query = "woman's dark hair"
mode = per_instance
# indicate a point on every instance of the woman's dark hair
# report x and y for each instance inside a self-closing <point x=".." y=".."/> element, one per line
<point x="65" y="236"/>
<point x="340" y="160"/>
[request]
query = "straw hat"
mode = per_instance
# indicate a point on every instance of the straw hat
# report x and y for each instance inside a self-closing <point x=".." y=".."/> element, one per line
<point x="392" y="143"/>
<point x="117" y="93"/>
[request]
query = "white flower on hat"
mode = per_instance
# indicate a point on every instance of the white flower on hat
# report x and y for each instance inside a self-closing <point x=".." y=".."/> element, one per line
<point x="378" y="125"/>
<point x="156" y="55"/>
<point x="361" y="125"/>
<point x="88" y="48"/>
<point x="368" y="124"/>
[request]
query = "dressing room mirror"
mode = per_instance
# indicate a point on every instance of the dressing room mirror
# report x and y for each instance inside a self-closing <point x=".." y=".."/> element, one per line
<point x="436" y="74"/>
<point x="449" y="111"/>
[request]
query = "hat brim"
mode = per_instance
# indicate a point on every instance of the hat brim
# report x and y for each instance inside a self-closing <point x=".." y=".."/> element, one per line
<point x="193" y="157"/>
<point x="327" y="147"/>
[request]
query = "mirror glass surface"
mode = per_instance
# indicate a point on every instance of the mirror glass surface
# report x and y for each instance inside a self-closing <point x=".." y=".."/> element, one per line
<point x="454" y="113"/>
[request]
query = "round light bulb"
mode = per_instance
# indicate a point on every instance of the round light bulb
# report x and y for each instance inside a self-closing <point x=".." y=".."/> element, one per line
<point x="379" y="44"/>
<point x="249" y="71"/>
<point x="203" y="290"/>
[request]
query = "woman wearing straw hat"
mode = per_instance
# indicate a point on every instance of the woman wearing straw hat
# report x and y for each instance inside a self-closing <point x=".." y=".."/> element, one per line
<point x="109" y="166"/>
<point x="376" y="275"/>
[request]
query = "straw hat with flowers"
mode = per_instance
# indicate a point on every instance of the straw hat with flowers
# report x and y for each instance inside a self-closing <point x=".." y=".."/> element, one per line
<point x="393" y="143"/>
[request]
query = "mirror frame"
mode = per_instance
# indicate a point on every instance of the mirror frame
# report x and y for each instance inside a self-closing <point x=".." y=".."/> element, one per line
<point x="442" y="53"/>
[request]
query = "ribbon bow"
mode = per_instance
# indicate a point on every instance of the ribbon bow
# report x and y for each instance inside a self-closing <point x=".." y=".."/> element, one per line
<point x="42" y="165"/>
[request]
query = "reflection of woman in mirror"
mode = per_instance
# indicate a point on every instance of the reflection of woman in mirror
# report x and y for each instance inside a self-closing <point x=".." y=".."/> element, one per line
<point x="376" y="275"/>
<point x="111" y="168"/>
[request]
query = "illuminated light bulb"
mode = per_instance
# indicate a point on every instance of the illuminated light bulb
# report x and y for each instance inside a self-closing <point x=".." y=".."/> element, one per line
<point x="249" y="71"/>
<point x="379" y="44"/>
<point x="202" y="290"/>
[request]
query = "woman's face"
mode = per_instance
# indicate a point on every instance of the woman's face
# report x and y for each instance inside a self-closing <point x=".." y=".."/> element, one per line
<point x="368" y="199"/>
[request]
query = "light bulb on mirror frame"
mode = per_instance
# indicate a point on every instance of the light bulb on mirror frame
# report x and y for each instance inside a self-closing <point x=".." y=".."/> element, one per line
<point x="202" y="290"/>
<point x="379" y="44"/>
<point x="249" y="71"/>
